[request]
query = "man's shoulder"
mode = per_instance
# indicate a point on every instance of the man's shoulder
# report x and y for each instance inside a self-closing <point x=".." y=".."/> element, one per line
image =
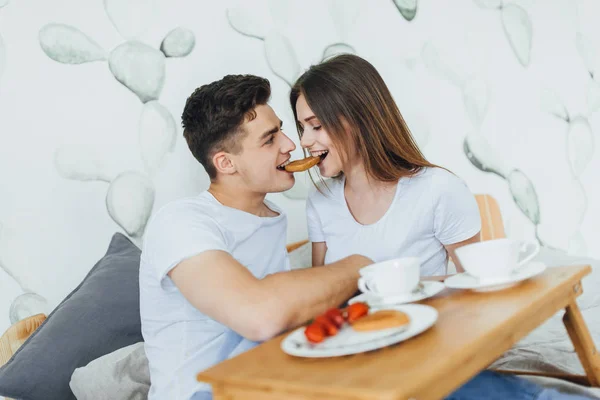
<point x="187" y="209"/>
<point x="189" y="220"/>
<point x="200" y="203"/>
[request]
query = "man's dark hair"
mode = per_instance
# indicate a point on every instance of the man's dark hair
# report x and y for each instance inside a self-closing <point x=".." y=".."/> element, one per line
<point x="214" y="113"/>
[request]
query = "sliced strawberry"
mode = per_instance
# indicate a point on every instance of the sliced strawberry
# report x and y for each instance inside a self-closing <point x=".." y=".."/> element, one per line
<point x="315" y="333"/>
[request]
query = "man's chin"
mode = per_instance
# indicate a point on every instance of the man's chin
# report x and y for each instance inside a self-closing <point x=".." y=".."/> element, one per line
<point x="284" y="186"/>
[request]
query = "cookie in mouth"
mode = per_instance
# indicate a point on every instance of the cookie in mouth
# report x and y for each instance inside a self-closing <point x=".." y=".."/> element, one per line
<point x="304" y="164"/>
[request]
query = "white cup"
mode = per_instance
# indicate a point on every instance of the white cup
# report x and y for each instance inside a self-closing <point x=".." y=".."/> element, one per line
<point x="397" y="276"/>
<point x="496" y="259"/>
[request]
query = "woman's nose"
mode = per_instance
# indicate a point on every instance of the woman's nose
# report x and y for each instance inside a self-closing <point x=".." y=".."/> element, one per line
<point x="307" y="139"/>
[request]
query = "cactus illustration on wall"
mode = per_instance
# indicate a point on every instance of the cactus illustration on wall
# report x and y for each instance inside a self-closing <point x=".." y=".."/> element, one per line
<point x="580" y="141"/>
<point x="343" y="14"/>
<point x="475" y="94"/>
<point x="28" y="303"/>
<point x="282" y="60"/>
<point x="141" y="69"/>
<point x="408" y="8"/>
<point x="281" y="55"/>
<point x="279" y="52"/>
<point x="517" y="27"/>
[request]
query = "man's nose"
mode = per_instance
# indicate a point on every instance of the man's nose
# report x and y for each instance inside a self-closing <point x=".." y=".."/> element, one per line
<point x="288" y="144"/>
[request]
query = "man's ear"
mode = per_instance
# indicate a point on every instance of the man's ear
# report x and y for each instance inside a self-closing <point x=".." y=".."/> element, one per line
<point x="223" y="163"/>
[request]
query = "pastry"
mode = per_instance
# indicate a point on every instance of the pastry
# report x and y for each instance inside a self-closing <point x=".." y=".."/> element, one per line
<point x="302" y="165"/>
<point x="383" y="319"/>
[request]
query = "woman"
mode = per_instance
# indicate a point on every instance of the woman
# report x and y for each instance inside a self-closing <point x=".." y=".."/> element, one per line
<point x="385" y="200"/>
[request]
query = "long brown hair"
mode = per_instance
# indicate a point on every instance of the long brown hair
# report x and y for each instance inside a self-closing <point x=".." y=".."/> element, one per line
<point x="354" y="105"/>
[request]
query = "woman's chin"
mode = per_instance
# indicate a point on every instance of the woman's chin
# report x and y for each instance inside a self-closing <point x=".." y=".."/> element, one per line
<point x="325" y="173"/>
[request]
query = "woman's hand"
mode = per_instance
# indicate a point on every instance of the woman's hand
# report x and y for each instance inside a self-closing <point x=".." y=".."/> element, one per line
<point x="439" y="278"/>
<point x="451" y="247"/>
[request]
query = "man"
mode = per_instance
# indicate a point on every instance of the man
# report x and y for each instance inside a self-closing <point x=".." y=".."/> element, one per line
<point x="214" y="274"/>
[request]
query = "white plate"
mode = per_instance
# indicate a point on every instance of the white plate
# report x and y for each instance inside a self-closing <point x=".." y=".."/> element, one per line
<point x="466" y="281"/>
<point x="429" y="289"/>
<point x="348" y="341"/>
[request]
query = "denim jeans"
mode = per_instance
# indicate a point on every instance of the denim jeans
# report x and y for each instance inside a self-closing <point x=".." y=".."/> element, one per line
<point x="493" y="386"/>
<point x="489" y="385"/>
<point x="202" y="396"/>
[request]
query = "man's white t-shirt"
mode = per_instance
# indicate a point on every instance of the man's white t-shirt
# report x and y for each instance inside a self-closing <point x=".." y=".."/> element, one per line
<point x="180" y="341"/>
<point x="431" y="209"/>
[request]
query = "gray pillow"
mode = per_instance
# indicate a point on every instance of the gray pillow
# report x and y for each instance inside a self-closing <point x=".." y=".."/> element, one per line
<point x="100" y="316"/>
<point x="122" y="374"/>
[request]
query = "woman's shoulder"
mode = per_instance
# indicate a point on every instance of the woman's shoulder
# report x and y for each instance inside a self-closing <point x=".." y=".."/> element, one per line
<point x="439" y="181"/>
<point x="438" y="176"/>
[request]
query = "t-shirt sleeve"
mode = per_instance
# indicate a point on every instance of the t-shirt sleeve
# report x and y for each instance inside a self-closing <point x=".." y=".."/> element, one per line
<point x="315" y="229"/>
<point x="179" y="232"/>
<point x="456" y="215"/>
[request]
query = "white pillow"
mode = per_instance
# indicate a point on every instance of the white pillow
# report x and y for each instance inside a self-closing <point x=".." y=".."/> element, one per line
<point x="548" y="348"/>
<point x="122" y="374"/>
<point x="591" y="283"/>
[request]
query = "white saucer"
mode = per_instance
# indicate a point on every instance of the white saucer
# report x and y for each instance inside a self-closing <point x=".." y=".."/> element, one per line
<point x="348" y="341"/>
<point x="427" y="290"/>
<point x="466" y="281"/>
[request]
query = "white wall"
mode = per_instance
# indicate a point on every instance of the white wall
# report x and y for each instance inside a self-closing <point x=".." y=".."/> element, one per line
<point x="54" y="228"/>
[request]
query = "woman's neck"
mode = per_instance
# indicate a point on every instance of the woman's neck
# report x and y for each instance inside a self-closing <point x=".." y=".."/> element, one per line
<point x="367" y="199"/>
<point x="358" y="182"/>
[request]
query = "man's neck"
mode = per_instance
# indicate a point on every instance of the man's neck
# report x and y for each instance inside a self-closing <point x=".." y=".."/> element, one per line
<point x="246" y="201"/>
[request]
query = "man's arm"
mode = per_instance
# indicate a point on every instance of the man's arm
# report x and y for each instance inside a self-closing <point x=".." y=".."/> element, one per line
<point x="318" y="253"/>
<point x="258" y="309"/>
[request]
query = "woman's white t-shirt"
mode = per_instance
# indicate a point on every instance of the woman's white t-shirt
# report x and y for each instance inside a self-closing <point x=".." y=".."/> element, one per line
<point x="430" y="209"/>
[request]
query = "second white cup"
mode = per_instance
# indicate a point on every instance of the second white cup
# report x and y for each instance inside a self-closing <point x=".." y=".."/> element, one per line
<point x="496" y="259"/>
